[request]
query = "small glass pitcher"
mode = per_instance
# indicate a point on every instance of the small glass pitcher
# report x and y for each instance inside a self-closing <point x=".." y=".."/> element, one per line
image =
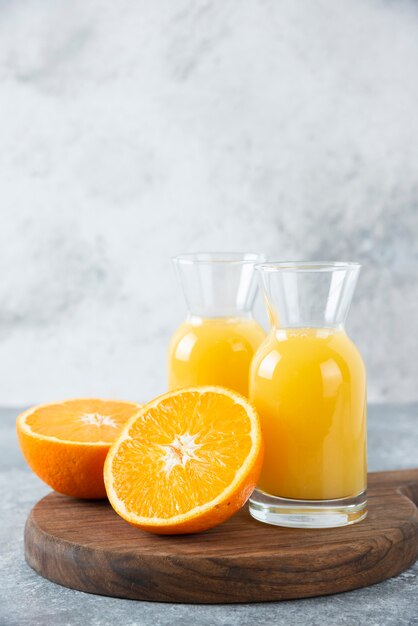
<point x="216" y="343"/>
<point x="308" y="383"/>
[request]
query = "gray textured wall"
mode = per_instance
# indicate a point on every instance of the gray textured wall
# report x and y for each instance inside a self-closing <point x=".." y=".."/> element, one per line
<point x="130" y="131"/>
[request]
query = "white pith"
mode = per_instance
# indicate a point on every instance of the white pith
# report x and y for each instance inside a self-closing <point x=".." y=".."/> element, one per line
<point x="181" y="450"/>
<point x="96" y="419"/>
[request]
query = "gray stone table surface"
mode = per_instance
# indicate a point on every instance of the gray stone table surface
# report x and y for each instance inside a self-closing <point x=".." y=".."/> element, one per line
<point x="26" y="599"/>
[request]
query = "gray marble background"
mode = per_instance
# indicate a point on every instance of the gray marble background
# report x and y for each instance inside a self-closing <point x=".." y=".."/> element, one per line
<point x="131" y="131"/>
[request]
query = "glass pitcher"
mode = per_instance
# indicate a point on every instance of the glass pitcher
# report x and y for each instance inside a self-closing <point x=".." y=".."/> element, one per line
<point x="308" y="383"/>
<point x="216" y="343"/>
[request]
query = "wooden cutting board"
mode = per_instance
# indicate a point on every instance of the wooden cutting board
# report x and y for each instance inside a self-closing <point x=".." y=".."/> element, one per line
<point x="85" y="545"/>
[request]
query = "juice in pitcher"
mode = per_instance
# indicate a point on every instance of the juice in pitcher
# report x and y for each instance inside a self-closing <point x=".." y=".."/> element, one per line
<point x="214" y="351"/>
<point x="216" y="343"/>
<point x="308" y="383"/>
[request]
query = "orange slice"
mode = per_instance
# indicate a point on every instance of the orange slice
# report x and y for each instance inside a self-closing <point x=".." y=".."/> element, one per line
<point x="66" y="443"/>
<point x="186" y="462"/>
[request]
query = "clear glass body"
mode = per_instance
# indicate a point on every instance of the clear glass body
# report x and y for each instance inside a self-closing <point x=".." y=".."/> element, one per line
<point x="308" y="383"/>
<point x="216" y="343"/>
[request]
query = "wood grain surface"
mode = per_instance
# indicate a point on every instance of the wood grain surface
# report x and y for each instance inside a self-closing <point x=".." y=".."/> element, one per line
<point x="84" y="545"/>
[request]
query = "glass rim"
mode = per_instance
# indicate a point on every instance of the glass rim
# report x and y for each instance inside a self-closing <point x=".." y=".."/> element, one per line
<point x="227" y="258"/>
<point x="308" y="266"/>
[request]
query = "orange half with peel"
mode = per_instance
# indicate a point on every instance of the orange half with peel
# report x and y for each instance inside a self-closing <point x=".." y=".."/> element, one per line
<point x="186" y="461"/>
<point x="66" y="443"/>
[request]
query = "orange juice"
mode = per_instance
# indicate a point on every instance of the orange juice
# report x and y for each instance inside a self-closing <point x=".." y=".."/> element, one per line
<point x="309" y="387"/>
<point x="213" y="351"/>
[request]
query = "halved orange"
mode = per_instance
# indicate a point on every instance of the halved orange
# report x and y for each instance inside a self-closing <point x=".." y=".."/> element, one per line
<point x="186" y="462"/>
<point x="66" y="443"/>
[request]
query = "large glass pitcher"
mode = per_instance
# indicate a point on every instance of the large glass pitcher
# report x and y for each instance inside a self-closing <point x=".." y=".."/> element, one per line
<point x="308" y="383"/>
<point x="217" y="341"/>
